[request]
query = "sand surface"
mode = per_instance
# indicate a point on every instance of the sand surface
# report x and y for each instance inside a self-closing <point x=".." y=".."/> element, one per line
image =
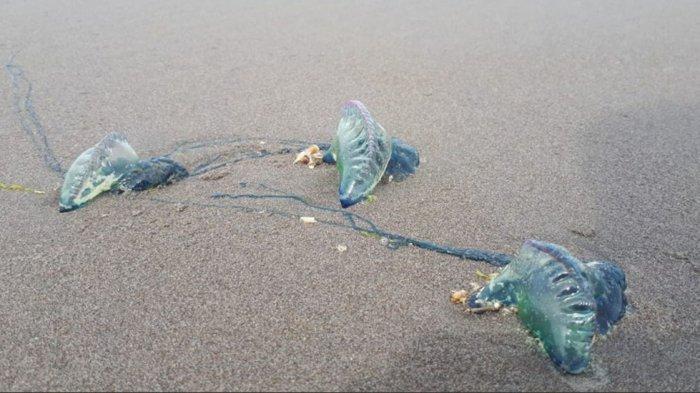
<point x="534" y="120"/>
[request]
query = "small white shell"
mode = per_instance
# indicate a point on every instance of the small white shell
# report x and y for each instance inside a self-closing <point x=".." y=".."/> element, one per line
<point x="307" y="220"/>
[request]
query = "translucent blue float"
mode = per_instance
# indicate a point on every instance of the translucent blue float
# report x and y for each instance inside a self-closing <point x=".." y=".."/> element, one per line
<point x="562" y="301"/>
<point x="113" y="164"/>
<point x="364" y="153"/>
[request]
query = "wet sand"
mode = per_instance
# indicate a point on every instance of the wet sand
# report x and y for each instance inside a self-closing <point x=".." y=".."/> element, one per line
<point x="575" y="123"/>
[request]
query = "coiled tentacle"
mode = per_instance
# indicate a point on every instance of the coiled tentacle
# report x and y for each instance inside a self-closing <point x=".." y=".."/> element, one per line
<point x="152" y="172"/>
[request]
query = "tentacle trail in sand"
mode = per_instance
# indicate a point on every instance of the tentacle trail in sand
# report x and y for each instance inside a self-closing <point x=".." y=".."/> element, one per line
<point x="287" y="146"/>
<point x="344" y="219"/>
<point x="28" y="118"/>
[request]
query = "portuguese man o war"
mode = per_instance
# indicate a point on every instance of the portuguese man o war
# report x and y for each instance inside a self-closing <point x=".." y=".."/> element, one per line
<point x="362" y="149"/>
<point x="95" y="171"/>
<point x="113" y="164"/>
<point x="562" y="301"/>
<point x="365" y="154"/>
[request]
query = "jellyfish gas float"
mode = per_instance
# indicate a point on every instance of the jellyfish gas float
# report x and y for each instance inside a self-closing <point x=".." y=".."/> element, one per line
<point x="561" y="300"/>
<point x="110" y="165"/>
<point x="364" y="153"/>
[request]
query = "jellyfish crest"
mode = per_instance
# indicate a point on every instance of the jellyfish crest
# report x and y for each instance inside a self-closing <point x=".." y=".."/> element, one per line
<point x="96" y="170"/>
<point x="556" y="304"/>
<point x="115" y="151"/>
<point x="362" y="149"/>
<point x="152" y="172"/>
<point x="609" y="284"/>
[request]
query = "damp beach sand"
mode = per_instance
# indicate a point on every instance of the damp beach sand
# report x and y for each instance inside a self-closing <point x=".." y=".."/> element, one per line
<point x="574" y="123"/>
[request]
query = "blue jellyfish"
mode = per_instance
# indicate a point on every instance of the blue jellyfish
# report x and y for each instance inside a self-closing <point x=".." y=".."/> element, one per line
<point x="112" y="164"/>
<point x="562" y="301"/>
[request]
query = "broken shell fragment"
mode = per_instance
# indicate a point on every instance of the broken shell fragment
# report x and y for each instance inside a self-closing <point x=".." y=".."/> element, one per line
<point x="307" y="220"/>
<point x="310" y="156"/>
<point x="459" y="297"/>
<point x="494" y="307"/>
